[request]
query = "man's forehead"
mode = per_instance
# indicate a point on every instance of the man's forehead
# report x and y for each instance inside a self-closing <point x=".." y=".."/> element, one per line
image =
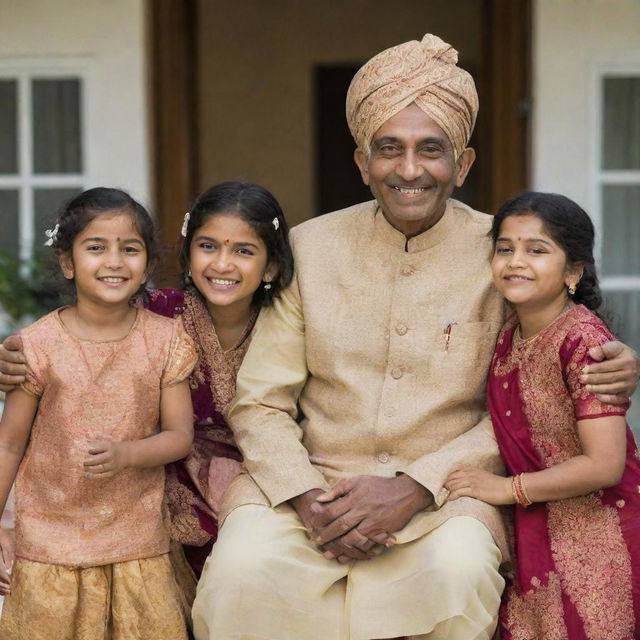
<point x="418" y="140"/>
<point x="411" y="123"/>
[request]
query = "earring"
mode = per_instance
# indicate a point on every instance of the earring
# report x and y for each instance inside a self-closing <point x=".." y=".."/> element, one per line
<point x="571" y="289"/>
<point x="267" y="283"/>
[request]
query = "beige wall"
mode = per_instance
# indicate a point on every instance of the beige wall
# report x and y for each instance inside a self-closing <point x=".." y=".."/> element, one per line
<point x="573" y="39"/>
<point x="256" y="74"/>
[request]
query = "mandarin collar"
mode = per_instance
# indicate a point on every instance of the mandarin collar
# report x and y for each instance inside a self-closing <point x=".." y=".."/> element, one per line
<point x="384" y="232"/>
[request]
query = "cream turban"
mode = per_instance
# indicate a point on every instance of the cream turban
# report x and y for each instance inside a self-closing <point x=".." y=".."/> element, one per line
<point x="421" y="72"/>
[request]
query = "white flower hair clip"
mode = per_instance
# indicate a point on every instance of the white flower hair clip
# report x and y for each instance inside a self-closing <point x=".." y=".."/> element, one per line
<point x="185" y="224"/>
<point x="52" y="234"/>
<point x="276" y="223"/>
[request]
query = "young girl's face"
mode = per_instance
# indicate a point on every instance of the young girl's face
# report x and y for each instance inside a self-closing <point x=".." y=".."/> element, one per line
<point x="529" y="268"/>
<point x="228" y="261"/>
<point x="108" y="261"/>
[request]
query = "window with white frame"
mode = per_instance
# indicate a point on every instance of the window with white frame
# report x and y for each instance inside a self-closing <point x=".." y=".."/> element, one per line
<point x="42" y="152"/>
<point x="617" y="200"/>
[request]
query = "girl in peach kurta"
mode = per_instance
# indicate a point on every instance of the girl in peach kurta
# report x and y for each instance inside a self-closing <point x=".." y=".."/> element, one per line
<point x="573" y="463"/>
<point x="105" y="405"/>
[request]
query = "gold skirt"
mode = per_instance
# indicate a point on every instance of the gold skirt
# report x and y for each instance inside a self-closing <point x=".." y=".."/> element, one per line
<point x="135" y="600"/>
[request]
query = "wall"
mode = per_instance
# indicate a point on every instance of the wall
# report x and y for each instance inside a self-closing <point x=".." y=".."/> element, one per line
<point x="256" y="72"/>
<point x="109" y="37"/>
<point x="571" y="37"/>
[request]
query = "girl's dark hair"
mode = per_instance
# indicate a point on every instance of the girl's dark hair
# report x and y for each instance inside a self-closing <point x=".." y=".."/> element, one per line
<point x="569" y="226"/>
<point x="76" y="214"/>
<point x="261" y="211"/>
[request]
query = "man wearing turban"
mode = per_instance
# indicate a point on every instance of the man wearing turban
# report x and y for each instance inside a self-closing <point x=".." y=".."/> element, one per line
<point x="363" y="389"/>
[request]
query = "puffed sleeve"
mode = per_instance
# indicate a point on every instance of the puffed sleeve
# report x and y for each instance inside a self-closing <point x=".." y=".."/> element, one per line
<point x="36" y="367"/>
<point x="575" y="355"/>
<point x="182" y="356"/>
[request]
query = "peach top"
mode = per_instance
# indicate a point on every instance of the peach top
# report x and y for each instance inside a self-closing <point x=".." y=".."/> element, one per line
<point x="90" y="390"/>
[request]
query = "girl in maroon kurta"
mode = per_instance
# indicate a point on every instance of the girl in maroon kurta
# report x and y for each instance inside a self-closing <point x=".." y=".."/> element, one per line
<point x="573" y="463"/>
<point x="235" y="258"/>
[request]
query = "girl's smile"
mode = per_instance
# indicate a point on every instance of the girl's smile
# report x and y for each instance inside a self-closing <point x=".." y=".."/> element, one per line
<point x="530" y="269"/>
<point x="228" y="261"/>
<point x="108" y="261"/>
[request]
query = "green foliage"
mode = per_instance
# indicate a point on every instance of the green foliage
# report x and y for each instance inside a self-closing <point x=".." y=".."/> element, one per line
<point x="23" y="290"/>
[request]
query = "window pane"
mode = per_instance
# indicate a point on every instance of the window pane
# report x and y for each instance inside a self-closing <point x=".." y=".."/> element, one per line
<point x="621" y="130"/>
<point x="46" y="205"/>
<point x="624" y="306"/>
<point x="57" y="147"/>
<point x="10" y="234"/>
<point x="620" y="230"/>
<point x="8" y="126"/>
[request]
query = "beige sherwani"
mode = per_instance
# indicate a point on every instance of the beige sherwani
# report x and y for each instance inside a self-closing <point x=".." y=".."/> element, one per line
<point x="360" y="340"/>
<point x="384" y="345"/>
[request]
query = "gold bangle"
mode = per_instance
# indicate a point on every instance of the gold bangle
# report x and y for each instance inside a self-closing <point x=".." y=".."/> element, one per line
<point x="518" y="491"/>
<point x="524" y="490"/>
<point x="514" y="493"/>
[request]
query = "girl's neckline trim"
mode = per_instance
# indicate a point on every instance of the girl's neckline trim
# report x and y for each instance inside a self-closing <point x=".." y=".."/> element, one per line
<point x="70" y="333"/>
<point x="519" y="342"/>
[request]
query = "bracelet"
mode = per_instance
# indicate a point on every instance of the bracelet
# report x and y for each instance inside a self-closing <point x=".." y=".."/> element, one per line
<point x="523" y="488"/>
<point x="520" y="495"/>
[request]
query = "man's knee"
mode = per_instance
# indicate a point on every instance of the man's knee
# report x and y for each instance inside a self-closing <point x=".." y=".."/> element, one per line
<point x="246" y="545"/>
<point x="466" y="554"/>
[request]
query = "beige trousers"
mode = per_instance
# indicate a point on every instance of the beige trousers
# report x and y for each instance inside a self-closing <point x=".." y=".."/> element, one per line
<point x="264" y="580"/>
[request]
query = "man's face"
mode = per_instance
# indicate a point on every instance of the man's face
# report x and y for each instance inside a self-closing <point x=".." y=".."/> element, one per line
<point x="411" y="170"/>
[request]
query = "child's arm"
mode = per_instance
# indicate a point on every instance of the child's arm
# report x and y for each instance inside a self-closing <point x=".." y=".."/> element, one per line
<point x="600" y="465"/>
<point x="19" y="410"/>
<point x="172" y="443"/>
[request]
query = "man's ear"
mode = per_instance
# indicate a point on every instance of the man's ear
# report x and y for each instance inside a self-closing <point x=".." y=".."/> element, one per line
<point x="66" y="264"/>
<point x="362" y="160"/>
<point x="463" y="164"/>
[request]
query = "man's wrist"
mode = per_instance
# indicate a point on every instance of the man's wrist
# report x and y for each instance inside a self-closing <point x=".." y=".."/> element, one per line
<point x="305" y="499"/>
<point x="421" y="496"/>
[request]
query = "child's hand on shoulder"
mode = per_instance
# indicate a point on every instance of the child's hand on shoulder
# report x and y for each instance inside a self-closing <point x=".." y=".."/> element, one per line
<point x="107" y="459"/>
<point x="480" y="484"/>
<point x="7" y="557"/>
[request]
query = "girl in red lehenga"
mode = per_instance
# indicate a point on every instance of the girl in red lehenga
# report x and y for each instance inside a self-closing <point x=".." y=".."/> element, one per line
<point x="574" y="470"/>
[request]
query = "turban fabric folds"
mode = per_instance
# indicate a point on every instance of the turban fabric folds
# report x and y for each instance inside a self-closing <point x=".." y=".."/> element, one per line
<point x="423" y="72"/>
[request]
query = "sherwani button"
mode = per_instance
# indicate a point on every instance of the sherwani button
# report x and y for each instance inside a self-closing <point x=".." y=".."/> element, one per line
<point x="383" y="457"/>
<point x="388" y="412"/>
<point x="396" y="373"/>
<point x="407" y="270"/>
<point x="401" y="329"/>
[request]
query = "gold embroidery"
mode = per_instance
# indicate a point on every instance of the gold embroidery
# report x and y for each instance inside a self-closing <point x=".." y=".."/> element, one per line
<point x="538" y="614"/>
<point x="588" y="547"/>
<point x="217" y="368"/>
<point x="548" y="401"/>
<point x="593" y="561"/>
